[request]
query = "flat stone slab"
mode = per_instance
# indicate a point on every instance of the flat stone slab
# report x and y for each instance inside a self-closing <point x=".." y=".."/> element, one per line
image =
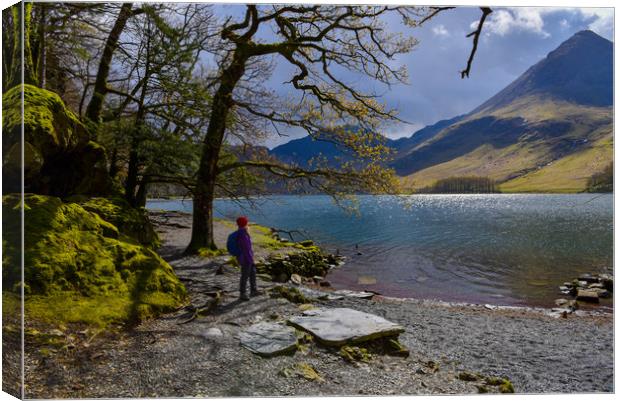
<point x="355" y="294"/>
<point x="330" y="296"/>
<point x="341" y="326"/>
<point x="269" y="339"/>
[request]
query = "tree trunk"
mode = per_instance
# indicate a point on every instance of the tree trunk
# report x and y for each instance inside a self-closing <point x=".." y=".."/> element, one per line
<point x="131" y="182"/>
<point x="41" y="48"/>
<point x="204" y="193"/>
<point x="114" y="162"/>
<point x="11" y="46"/>
<point x="95" y="105"/>
<point x="142" y="191"/>
<point x="30" y="70"/>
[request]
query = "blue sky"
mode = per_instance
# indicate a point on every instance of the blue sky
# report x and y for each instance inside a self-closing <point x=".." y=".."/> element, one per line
<point x="514" y="39"/>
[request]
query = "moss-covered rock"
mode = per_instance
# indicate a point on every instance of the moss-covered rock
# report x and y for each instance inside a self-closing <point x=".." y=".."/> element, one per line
<point x="48" y="124"/>
<point x="76" y="260"/>
<point x="355" y="354"/>
<point x="130" y="221"/>
<point x="60" y="158"/>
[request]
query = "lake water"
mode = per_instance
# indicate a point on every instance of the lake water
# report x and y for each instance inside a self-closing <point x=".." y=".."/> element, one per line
<point x="501" y="249"/>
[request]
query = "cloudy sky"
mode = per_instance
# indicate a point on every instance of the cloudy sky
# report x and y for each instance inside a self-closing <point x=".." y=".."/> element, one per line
<point x="514" y="39"/>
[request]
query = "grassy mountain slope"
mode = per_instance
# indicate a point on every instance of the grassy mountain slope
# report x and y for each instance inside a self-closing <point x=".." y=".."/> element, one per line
<point x="548" y="131"/>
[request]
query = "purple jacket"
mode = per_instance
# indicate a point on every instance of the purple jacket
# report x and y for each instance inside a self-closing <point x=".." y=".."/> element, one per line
<point x="245" y="244"/>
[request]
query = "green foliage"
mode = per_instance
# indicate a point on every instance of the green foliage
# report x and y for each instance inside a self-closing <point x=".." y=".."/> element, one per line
<point x="506" y="387"/>
<point x="210" y="253"/>
<point x="80" y="267"/>
<point x="602" y="181"/>
<point x="462" y="185"/>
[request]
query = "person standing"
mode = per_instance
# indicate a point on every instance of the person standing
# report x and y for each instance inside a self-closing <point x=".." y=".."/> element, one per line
<point x="246" y="260"/>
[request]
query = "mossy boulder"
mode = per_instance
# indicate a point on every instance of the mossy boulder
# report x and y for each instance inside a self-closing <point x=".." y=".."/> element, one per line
<point x="79" y="256"/>
<point x="60" y="157"/>
<point x="130" y="221"/>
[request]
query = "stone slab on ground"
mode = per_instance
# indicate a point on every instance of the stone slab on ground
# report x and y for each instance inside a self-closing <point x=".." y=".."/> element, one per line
<point x="324" y="295"/>
<point x="341" y="326"/>
<point x="269" y="339"/>
<point x="355" y="294"/>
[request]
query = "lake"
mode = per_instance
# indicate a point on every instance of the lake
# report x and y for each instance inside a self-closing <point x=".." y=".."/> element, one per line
<point x="500" y="248"/>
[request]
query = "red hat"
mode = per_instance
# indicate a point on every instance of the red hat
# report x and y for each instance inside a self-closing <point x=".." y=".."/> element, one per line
<point x="242" y="221"/>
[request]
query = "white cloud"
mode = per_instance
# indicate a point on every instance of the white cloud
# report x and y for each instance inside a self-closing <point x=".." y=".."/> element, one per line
<point x="505" y="21"/>
<point x="440" y="30"/>
<point x="531" y="19"/>
<point x="603" y="22"/>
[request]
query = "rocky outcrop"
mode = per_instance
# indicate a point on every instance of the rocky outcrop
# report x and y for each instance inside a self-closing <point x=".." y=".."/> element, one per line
<point x="310" y="261"/>
<point x="60" y="158"/>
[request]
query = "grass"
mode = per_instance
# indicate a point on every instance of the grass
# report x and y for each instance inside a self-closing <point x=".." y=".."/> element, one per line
<point x="567" y="175"/>
<point x="99" y="311"/>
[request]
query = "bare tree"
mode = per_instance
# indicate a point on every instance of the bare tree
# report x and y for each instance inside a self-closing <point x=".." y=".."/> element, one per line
<point x="317" y="41"/>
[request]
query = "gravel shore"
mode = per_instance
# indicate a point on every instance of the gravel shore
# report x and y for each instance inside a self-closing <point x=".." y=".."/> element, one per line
<point x="163" y="358"/>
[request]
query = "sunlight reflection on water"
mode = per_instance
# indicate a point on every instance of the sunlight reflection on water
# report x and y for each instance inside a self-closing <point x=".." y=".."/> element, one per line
<point x="512" y="249"/>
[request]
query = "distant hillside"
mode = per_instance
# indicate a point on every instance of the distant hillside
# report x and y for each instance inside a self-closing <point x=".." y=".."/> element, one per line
<point x="548" y="131"/>
<point x="301" y="151"/>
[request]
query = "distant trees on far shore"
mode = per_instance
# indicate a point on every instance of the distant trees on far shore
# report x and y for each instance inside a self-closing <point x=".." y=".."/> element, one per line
<point x="603" y="181"/>
<point x="462" y="185"/>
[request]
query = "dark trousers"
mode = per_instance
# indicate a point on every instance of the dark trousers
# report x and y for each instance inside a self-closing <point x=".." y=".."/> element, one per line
<point x="248" y="271"/>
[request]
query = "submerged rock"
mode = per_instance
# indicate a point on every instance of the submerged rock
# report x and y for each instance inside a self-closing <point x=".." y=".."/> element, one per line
<point x="587" y="296"/>
<point x="341" y="326"/>
<point x="269" y="339"/>
<point x="366" y="280"/>
<point x="601" y="292"/>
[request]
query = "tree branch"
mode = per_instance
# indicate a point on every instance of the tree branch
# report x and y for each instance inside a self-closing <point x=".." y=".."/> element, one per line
<point x="476" y="34"/>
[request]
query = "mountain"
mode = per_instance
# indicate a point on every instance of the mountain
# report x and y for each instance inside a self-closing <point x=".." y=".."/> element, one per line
<point x="548" y="131"/>
<point x="301" y="151"/>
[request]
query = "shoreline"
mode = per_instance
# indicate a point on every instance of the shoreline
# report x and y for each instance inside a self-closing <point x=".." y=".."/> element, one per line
<point x="449" y="344"/>
<point x="589" y="310"/>
<point x="535" y="348"/>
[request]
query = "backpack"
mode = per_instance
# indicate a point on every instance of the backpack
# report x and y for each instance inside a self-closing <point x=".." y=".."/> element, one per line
<point x="232" y="244"/>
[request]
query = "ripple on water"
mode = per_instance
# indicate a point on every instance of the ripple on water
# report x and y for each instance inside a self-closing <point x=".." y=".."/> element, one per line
<point x="467" y="247"/>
